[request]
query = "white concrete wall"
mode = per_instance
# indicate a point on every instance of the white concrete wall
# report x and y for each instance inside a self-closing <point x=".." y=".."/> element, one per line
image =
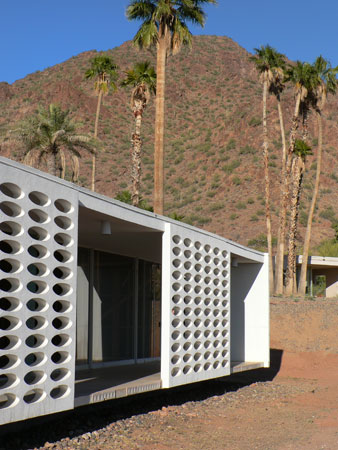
<point x="38" y="295"/>
<point x="195" y="308"/>
<point x="250" y="312"/>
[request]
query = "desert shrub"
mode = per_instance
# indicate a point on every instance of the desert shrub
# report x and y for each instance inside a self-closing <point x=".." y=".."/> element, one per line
<point x="247" y="150"/>
<point x="260" y="243"/>
<point x="329" y="247"/>
<point x="240" y="205"/>
<point x="231" y="145"/>
<point x="328" y="214"/>
<point x="229" y="168"/>
<point x="254" y="122"/>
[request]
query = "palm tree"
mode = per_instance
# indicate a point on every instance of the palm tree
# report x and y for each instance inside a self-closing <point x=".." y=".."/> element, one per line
<point x="301" y="151"/>
<point x="325" y="82"/>
<point x="143" y="80"/>
<point x="270" y="64"/>
<point x="47" y="135"/>
<point x="164" y="25"/>
<point x="104" y="71"/>
<point x="301" y="76"/>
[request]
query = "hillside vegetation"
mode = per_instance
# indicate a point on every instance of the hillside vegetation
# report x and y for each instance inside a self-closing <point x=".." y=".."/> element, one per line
<point x="213" y="141"/>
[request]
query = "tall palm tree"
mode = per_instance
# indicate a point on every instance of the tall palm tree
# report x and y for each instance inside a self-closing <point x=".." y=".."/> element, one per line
<point x="142" y="77"/>
<point x="47" y="135"/>
<point x="301" y="151"/>
<point x="325" y="82"/>
<point x="104" y="71"/>
<point x="164" y="25"/>
<point x="270" y="64"/>
<point x="301" y="76"/>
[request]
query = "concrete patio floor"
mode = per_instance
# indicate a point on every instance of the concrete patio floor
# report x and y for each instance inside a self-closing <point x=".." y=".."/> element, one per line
<point x="97" y="385"/>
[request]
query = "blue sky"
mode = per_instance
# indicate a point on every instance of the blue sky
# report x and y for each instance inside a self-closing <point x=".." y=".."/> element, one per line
<point x="36" y="34"/>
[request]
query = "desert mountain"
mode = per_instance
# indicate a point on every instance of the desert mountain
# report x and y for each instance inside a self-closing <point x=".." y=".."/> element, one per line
<point x="213" y="139"/>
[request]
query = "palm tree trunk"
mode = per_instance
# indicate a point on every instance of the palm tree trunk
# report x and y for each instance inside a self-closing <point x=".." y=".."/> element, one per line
<point x="98" y="107"/>
<point x="51" y="163"/>
<point x="159" y="123"/>
<point x="267" y="186"/>
<point x="303" y="272"/>
<point x="280" y="244"/>
<point x="285" y="196"/>
<point x="297" y="176"/>
<point x="136" y="155"/>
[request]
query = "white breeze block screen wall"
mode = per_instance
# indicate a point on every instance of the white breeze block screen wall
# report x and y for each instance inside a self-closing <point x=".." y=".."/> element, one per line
<point x="195" y="307"/>
<point x="38" y="242"/>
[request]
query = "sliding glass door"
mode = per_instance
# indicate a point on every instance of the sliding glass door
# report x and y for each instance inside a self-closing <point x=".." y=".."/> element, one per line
<point x="118" y="308"/>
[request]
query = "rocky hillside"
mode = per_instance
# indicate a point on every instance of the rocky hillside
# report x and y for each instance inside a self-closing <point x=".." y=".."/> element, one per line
<point x="214" y="170"/>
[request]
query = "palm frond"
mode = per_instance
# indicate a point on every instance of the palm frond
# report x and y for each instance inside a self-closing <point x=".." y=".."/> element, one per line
<point x="140" y="10"/>
<point x="147" y="35"/>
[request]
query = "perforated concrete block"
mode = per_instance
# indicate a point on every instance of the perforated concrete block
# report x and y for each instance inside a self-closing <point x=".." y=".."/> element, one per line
<point x="38" y="243"/>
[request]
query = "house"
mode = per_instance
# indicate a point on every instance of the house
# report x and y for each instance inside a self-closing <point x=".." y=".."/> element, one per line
<point x="321" y="270"/>
<point x="101" y="300"/>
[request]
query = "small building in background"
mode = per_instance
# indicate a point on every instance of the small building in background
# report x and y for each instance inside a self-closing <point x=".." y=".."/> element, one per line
<point x="322" y="275"/>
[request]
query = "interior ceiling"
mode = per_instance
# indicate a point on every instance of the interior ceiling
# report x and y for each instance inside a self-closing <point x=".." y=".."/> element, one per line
<point x="126" y="238"/>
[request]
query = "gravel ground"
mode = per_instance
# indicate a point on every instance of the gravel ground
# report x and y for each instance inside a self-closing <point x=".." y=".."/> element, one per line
<point x="259" y="409"/>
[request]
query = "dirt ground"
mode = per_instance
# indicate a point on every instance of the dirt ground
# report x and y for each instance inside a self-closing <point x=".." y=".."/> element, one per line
<point x="293" y="405"/>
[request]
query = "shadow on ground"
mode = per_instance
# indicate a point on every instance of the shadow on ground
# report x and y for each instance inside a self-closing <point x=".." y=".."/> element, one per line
<point x="35" y="432"/>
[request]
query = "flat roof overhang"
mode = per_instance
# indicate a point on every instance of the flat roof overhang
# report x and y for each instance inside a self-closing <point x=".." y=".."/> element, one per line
<point x="126" y="238"/>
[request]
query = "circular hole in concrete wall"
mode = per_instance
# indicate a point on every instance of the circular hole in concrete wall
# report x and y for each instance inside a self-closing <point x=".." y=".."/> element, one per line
<point x="8" y="361"/>
<point x="8" y="323"/>
<point x="36" y="341"/>
<point x="175" y="359"/>
<point x="60" y="392"/>
<point x="10" y="265"/>
<point x="38" y="269"/>
<point x="8" y="400"/>
<point x="11" y="228"/>
<point x="7" y="380"/>
<point x="9" y="342"/>
<point x="38" y="216"/>
<point x="35" y="377"/>
<point x="176" y="372"/>
<point x="36" y="323"/>
<point x="11" y="209"/>
<point x="62" y="289"/>
<point x="9" y="303"/>
<point x="38" y="233"/>
<point x="35" y="359"/>
<point x="37" y="304"/>
<point x="10" y="285"/>
<point x="176" y="239"/>
<point x="61" y="340"/>
<point x="38" y="251"/>
<point x="39" y="198"/>
<point x="61" y="323"/>
<point x="177" y="251"/>
<point x="34" y="396"/>
<point x="60" y="374"/>
<point x="11" y="190"/>
<point x="63" y="205"/>
<point x="62" y="306"/>
<point x="37" y="286"/>
<point x="10" y="247"/>
<point x="60" y="357"/>
<point x="63" y="239"/>
<point x="63" y="256"/>
<point x="176" y="347"/>
<point x="63" y="222"/>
